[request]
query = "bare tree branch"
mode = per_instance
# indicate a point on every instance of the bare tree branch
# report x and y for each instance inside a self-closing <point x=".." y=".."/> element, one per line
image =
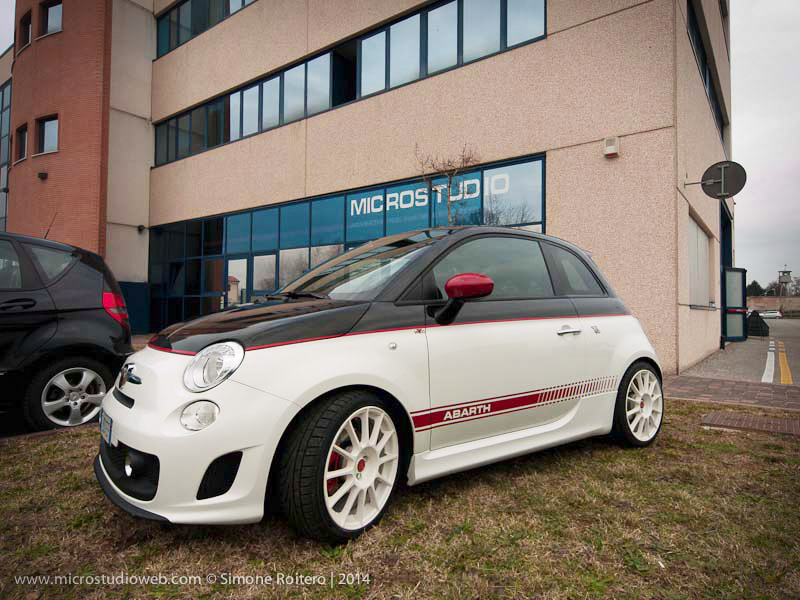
<point x="448" y="167"/>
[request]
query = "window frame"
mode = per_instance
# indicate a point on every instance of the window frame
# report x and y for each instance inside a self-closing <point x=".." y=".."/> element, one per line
<point x="25" y="25"/>
<point x="40" y="134"/>
<point x="45" y="17"/>
<point x="17" y="133"/>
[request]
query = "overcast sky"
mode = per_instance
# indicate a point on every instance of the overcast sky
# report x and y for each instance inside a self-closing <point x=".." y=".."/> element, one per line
<point x="765" y="59"/>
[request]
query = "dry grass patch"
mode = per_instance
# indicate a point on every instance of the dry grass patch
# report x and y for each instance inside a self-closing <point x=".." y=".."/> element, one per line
<point x="701" y="514"/>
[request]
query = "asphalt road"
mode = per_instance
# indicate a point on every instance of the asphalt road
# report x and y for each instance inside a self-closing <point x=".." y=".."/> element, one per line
<point x="748" y="360"/>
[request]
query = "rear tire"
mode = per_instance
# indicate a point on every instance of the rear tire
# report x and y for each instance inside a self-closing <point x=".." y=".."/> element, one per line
<point x="66" y="393"/>
<point x="366" y="465"/>
<point x="639" y="409"/>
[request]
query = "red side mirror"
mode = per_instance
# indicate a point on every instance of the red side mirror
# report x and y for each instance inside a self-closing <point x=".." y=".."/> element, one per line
<point x="468" y="285"/>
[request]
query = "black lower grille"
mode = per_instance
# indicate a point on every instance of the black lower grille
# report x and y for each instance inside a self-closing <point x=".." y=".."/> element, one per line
<point x="219" y="475"/>
<point x="126" y="401"/>
<point x="142" y="483"/>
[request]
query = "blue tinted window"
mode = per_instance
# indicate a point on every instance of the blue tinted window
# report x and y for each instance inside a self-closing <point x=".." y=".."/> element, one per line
<point x="513" y="194"/>
<point x="319" y="84"/>
<point x="294" y="86"/>
<point x="163" y="35"/>
<point x="373" y="63"/>
<point x="271" y="103"/>
<point x="406" y="208"/>
<point x="294" y="225"/>
<point x="442" y="37"/>
<point x="481" y="28"/>
<point x="237" y="233"/>
<point x="265" y="229"/>
<point x="525" y="21"/>
<point x="327" y="221"/>
<point x="250" y="110"/>
<point x="404" y="51"/>
<point x="365" y="215"/>
<point x="465" y="200"/>
<point x="234" y="107"/>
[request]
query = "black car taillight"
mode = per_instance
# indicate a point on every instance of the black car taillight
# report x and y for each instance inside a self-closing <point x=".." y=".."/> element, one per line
<point x="114" y="305"/>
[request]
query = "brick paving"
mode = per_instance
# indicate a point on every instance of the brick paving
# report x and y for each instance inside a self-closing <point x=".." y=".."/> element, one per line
<point x="725" y="391"/>
<point x="732" y="420"/>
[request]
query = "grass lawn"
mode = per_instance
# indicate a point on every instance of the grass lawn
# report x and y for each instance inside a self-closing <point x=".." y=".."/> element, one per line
<point x="700" y="514"/>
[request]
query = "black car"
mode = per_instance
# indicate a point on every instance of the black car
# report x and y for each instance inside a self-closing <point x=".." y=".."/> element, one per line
<point x="64" y="330"/>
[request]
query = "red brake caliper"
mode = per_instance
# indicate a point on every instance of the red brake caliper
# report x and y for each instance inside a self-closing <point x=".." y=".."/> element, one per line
<point x="334" y="464"/>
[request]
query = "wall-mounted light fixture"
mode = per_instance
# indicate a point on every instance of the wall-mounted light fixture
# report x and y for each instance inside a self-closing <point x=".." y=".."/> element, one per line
<point x="42" y="175"/>
<point x="140" y="228"/>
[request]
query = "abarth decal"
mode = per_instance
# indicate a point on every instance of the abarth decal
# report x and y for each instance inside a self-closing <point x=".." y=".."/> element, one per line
<point x="425" y="420"/>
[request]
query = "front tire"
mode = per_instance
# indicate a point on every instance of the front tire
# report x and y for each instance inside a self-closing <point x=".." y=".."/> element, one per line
<point x="66" y="393"/>
<point x="340" y="466"/>
<point x="639" y="410"/>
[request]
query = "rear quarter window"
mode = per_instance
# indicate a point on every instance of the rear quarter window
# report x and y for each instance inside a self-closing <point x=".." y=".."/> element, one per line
<point x="10" y="272"/>
<point x="572" y="276"/>
<point x="51" y="261"/>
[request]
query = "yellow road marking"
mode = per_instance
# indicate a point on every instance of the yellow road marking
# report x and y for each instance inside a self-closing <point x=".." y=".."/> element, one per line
<point x="786" y="372"/>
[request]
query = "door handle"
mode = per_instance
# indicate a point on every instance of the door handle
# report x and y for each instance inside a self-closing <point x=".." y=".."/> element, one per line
<point x="21" y="303"/>
<point x="567" y="329"/>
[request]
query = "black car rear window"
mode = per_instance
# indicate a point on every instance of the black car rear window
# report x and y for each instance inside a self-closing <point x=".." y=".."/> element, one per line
<point x="52" y="261"/>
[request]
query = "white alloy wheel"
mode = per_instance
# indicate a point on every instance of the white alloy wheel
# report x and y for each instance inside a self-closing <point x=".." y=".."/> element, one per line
<point x="73" y="396"/>
<point x="361" y="468"/>
<point x="644" y="405"/>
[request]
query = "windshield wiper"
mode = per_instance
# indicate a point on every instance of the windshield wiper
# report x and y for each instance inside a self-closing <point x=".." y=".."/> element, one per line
<point x="294" y="295"/>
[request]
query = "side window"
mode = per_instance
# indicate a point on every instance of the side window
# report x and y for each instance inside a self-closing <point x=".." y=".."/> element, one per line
<point x="572" y="276"/>
<point x="52" y="262"/>
<point x="10" y="272"/>
<point x="516" y="266"/>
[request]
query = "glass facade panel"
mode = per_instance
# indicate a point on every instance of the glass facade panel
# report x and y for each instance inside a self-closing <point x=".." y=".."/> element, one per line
<point x="212" y="236"/>
<point x="233" y="111"/>
<point x="198" y="133"/>
<point x="481" y="28"/>
<point x="216" y="123"/>
<point x="525" y="21"/>
<point x="271" y="103"/>
<point x="404" y="51"/>
<point x="250" y="110"/>
<point x="443" y="37"/>
<point x="293" y="263"/>
<point x="237" y="236"/>
<point x="163" y="35"/>
<point x="172" y="138"/>
<point x="194" y="238"/>
<point x="464" y="197"/>
<point x="319" y="254"/>
<point x="327" y="221"/>
<point x="364" y="215"/>
<point x="264" y="273"/>
<point x="184" y="22"/>
<point x="213" y="272"/>
<point x="184" y="136"/>
<point x="407" y="208"/>
<point x="319" y="84"/>
<point x="295" y="225"/>
<point x="285" y="240"/>
<point x="373" y="64"/>
<point x="294" y="85"/>
<point x="265" y="229"/>
<point x="237" y="282"/>
<point x="199" y="16"/>
<point x="512" y="194"/>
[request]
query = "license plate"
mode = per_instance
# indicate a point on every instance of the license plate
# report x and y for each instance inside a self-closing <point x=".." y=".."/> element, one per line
<point x="105" y="427"/>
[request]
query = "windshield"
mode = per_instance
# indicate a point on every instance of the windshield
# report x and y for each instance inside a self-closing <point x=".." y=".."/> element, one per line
<point x="363" y="272"/>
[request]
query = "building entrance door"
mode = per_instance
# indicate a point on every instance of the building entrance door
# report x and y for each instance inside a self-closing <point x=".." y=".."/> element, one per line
<point x="734" y="300"/>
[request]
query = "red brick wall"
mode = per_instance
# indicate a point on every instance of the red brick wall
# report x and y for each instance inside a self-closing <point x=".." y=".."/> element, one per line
<point x="67" y="74"/>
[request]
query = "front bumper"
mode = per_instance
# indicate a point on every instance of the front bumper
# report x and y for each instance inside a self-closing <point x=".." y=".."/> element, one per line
<point x="249" y="426"/>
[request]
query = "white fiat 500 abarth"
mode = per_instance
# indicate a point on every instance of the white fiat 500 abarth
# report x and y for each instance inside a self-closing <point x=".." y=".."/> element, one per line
<point x="407" y="358"/>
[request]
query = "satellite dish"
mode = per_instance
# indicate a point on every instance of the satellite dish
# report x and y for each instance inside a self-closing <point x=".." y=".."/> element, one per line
<point x="723" y="179"/>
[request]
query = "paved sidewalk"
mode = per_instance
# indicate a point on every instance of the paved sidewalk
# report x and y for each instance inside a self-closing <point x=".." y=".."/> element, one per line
<point x="738" y="420"/>
<point x="726" y="391"/>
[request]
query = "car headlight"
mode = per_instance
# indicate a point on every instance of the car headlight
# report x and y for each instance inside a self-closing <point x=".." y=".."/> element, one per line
<point x="212" y="365"/>
<point x="199" y="415"/>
